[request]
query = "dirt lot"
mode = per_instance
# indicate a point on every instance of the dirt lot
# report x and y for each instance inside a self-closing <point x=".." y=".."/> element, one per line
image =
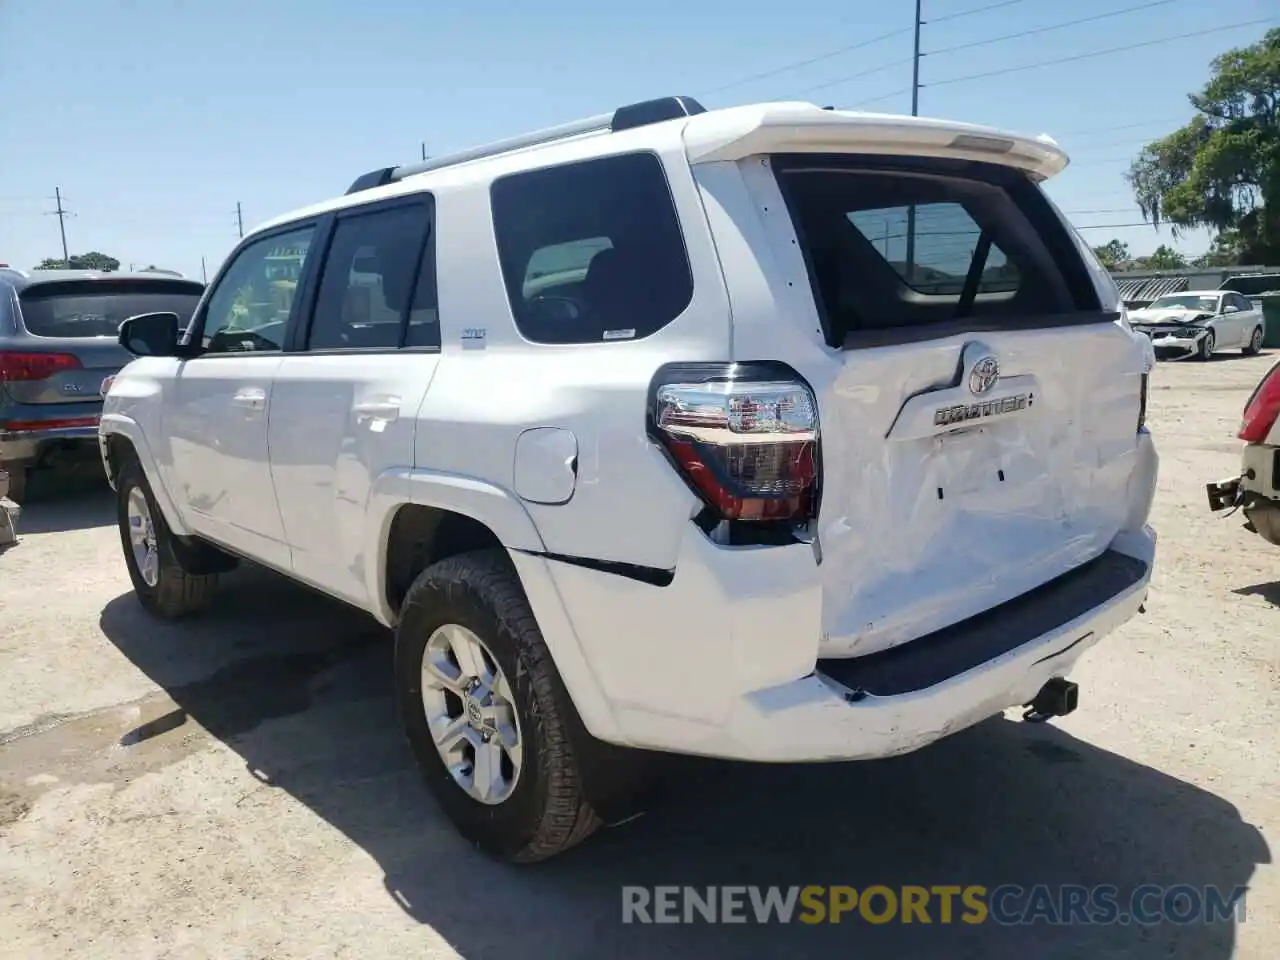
<point x="237" y="787"/>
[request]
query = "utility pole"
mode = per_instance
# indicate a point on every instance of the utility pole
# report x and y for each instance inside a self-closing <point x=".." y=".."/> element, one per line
<point x="62" y="225"/>
<point x="915" y="112"/>
<point x="204" y="274"/>
<point x="239" y="220"/>
<point x="424" y="149"/>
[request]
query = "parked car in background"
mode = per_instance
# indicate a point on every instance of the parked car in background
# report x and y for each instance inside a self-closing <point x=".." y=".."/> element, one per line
<point x="58" y="342"/>
<point x="1257" y="489"/>
<point x="1198" y="323"/>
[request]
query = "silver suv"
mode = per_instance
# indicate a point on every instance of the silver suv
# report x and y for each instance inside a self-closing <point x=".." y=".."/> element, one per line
<point x="58" y="342"/>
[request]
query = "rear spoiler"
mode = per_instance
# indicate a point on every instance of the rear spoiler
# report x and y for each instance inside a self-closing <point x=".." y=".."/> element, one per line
<point x="734" y="134"/>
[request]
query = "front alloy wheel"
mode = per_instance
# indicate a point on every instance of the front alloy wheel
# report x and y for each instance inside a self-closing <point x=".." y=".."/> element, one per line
<point x="142" y="537"/>
<point x="164" y="584"/>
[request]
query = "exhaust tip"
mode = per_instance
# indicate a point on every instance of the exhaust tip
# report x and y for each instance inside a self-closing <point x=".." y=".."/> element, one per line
<point x="1057" y="698"/>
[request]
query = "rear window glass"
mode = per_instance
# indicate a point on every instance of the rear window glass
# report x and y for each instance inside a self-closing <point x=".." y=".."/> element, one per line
<point x="591" y="251"/>
<point x="945" y="238"/>
<point x="96" y="309"/>
<point x="893" y="244"/>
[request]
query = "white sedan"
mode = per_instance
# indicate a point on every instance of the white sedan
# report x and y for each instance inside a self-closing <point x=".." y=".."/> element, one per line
<point x="1199" y="323"/>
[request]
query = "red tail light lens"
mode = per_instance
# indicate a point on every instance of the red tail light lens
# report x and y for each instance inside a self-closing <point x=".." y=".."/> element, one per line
<point x="16" y="367"/>
<point x="1262" y="409"/>
<point x="744" y="436"/>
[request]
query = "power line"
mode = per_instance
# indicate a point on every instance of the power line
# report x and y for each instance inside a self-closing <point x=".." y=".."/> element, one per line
<point x="1118" y="143"/>
<point x="972" y="11"/>
<point x="1096" y="53"/>
<point x="856" y="76"/>
<point x="797" y="64"/>
<point x="1111" y="226"/>
<point x="883" y="96"/>
<point x="1049" y="29"/>
<point x="1124" y="126"/>
<point x="1100" y="162"/>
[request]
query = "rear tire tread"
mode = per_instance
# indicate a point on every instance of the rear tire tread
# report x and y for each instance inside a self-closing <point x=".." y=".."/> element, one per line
<point x="1251" y="350"/>
<point x="567" y="818"/>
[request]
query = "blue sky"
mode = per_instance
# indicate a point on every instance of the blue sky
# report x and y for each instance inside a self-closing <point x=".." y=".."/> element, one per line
<point x="155" y="117"/>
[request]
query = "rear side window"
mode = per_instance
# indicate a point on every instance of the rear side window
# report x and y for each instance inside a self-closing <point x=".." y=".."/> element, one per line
<point x="96" y="308"/>
<point x="591" y="251"/>
<point x="369" y="278"/>
<point x="912" y="244"/>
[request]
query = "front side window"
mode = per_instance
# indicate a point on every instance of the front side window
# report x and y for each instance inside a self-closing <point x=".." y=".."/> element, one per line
<point x="591" y="251"/>
<point x="368" y="281"/>
<point x="96" y="308"/>
<point x="249" y="310"/>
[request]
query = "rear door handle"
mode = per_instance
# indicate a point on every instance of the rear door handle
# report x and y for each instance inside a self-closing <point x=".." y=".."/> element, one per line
<point x="386" y="410"/>
<point x="251" y="398"/>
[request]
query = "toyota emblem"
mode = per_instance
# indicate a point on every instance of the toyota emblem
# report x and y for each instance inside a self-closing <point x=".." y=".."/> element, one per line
<point x="984" y="375"/>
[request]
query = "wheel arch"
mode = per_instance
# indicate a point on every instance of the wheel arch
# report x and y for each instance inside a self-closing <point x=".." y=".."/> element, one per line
<point x="120" y="438"/>
<point x="418" y="517"/>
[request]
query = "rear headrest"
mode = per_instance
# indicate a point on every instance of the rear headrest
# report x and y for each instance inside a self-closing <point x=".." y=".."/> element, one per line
<point x="605" y="270"/>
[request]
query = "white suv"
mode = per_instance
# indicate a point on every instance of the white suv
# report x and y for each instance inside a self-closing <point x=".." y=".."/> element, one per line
<point x="773" y="433"/>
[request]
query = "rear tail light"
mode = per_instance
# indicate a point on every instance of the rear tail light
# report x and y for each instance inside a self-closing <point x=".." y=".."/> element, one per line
<point x="1262" y="409"/>
<point x="16" y="366"/>
<point x="743" y="435"/>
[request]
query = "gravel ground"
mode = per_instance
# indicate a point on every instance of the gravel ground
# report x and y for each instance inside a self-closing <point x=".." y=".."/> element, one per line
<point x="237" y="787"/>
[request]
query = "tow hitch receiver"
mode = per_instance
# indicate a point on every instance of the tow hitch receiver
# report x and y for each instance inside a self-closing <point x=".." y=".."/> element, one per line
<point x="1056" y="698"/>
<point x="1224" y="494"/>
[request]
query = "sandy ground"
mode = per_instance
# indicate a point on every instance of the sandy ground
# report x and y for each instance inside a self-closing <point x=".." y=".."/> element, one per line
<point x="237" y="787"/>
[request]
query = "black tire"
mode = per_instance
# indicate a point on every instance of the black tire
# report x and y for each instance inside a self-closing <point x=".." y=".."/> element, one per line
<point x="177" y="592"/>
<point x="547" y="811"/>
<point x="1205" y="350"/>
<point x="1255" y="343"/>
<point x="17" y="481"/>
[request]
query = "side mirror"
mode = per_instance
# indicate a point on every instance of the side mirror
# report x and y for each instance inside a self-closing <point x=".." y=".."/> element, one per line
<point x="1230" y="308"/>
<point x="150" y="334"/>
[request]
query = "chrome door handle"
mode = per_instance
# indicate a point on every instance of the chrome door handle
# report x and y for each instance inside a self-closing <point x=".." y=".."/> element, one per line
<point x="251" y="398"/>
<point x="388" y="410"/>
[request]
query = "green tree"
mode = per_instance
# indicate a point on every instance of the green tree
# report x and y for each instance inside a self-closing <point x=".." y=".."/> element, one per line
<point x="1112" y="253"/>
<point x="1222" y="170"/>
<point x="93" y="260"/>
<point x="1164" y="258"/>
<point x="1223" y="252"/>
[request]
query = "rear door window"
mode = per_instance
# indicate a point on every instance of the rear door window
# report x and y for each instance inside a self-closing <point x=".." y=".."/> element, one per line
<point x="903" y="248"/>
<point x="96" y="308"/>
<point x="369" y="278"/>
<point x="591" y="251"/>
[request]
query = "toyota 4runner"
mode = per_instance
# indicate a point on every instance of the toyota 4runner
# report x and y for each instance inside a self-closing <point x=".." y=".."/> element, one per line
<point x="774" y="433"/>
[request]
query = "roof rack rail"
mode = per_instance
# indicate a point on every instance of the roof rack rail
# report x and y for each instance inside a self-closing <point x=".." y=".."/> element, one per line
<point x="626" y="117"/>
